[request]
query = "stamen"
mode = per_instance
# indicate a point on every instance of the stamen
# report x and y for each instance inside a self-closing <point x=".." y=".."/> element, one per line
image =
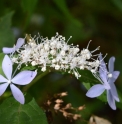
<point x="95" y="49"/>
<point x="104" y="57"/>
<point x="16" y="70"/>
<point x="69" y="39"/>
<point x="88" y="44"/>
<point x="56" y="35"/>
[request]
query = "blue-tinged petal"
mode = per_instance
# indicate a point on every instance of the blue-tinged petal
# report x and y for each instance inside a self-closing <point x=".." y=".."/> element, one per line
<point x="24" y="77"/>
<point x="103" y="77"/>
<point x="111" y="100"/>
<point x="95" y="91"/>
<point x="115" y="75"/>
<point x="111" y="64"/>
<point x="102" y="69"/>
<point x="18" y="95"/>
<point x="7" y="50"/>
<point x="2" y="79"/>
<point x="7" y="67"/>
<point x="107" y="86"/>
<point x="114" y="92"/>
<point x="3" y="88"/>
<point x="19" y="43"/>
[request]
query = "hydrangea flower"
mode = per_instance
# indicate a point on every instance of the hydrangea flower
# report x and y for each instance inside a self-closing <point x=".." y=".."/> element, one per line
<point x="19" y="43"/>
<point x="55" y="53"/>
<point x="107" y="79"/>
<point x="22" y="78"/>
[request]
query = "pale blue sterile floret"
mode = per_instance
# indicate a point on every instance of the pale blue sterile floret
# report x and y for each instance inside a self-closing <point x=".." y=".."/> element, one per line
<point x="107" y="78"/>
<point x="19" y="43"/>
<point x="22" y="78"/>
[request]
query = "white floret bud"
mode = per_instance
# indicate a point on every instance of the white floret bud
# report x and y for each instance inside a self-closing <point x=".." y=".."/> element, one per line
<point x="86" y="53"/>
<point x="53" y="52"/>
<point x="40" y="46"/>
<point x="62" y="53"/>
<point x="76" y="50"/>
<point x="93" y="70"/>
<point x="46" y="47"/>
<point x="76" y="74"/>
<point x="57" y="67"/>
<point x="59" y="45"/>
<point x="82" y="67"/>
<point x="43" y="69"/>
<point x="33" y="63"/>
<point x="66" y="47"/>
<point x="14" y="60"/>
<point x="53" y="61"/>
<point x="53" y="43"/>
<point x="97" y="63"/>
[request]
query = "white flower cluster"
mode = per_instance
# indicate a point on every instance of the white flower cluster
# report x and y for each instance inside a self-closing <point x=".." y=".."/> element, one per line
<point x="56" y="53"/>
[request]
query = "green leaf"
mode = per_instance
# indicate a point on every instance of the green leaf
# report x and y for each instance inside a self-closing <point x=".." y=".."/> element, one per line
<point x="86" y="76"/>
<point x="28" y="7"/>
<point x="62" y="6"/>
<point x="119" y="104"/>
<point x="6" y="34"/>
<point x="87" y="85"/>
<point x="118" y="4"/>
<point x="12" y="112"/>
<point x="77" y="33"/>
<point x="1" y="60"/>
<point x="29" y="67"/>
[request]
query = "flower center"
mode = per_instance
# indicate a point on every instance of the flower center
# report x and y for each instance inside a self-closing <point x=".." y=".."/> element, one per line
<point x="9" y="81"/>
<point x="109" y="75"/>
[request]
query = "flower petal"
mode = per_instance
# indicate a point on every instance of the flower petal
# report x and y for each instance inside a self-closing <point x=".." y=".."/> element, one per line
<point x="102" y="69"/>
<point x="3" y="88"/>
<point x="18" y="95"/>
<point x="19" y="43"/>
<point x="2" y="79"/>
<point x="115" y="75"/>
<point x="24" y="77"/>
<point x="111" y="64"/>
<point x="111" y="100"/>
<point x="114" y="92"/>
<point x="95" y="91"/>
<point x="7" y="66"/>
<point x="7" y="50"/>
<point x="104" y="79"/>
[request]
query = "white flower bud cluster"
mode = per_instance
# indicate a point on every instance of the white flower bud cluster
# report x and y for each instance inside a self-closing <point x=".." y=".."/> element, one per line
<point x="56" y="53"/>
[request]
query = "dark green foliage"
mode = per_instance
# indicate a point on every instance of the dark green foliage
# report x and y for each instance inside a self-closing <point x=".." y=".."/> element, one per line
<point x="6" y="35"/>
<point x="84" y="20"/>
<point x="14" y="113"/>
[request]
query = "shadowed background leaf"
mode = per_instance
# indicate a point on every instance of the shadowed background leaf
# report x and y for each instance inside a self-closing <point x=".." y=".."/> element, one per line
<point x="99" y="21"/>
<point x="6" y="34"/>
<point x="14" y="113"/>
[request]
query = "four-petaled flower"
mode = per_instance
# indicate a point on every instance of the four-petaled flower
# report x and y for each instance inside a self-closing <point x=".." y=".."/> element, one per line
<point x="107" y="79"/>
<point x="19" y="43"/>
<point x="22" y="78"/>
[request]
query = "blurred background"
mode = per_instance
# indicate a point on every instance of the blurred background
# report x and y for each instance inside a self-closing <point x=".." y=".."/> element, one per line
<point x="84" y="20"/>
